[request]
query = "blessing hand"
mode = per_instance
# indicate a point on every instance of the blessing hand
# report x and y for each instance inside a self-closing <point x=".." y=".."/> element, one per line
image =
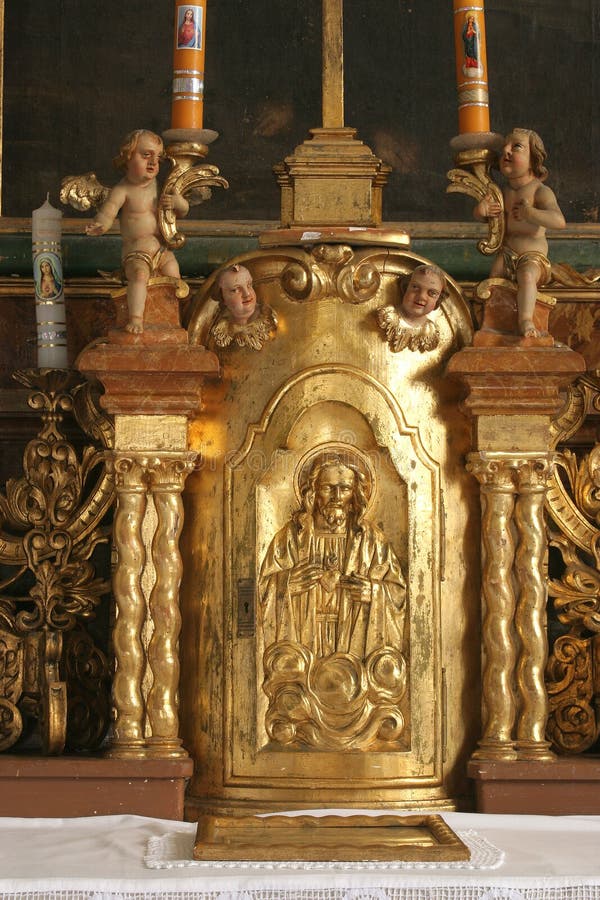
<point x="304" y="576"/>
<point x="358" y="587"/>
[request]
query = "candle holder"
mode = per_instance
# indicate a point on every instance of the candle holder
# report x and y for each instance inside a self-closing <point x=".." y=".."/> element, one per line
<point x="472" y="177"/>
<point x="184" y="147"/>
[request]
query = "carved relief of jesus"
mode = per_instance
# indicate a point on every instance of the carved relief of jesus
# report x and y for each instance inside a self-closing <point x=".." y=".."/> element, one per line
<point x="332" y="601"/>
<point x="330" y="580"/>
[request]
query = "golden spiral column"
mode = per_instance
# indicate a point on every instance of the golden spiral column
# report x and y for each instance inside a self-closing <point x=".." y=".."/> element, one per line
<point x="530" y="618"/>
<point x="128" y="731"/>
<point x="167" y="474"/>
<point x="496" y="476"/>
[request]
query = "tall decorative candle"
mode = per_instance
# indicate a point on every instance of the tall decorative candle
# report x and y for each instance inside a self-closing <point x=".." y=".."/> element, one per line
<point x="188" y="65"/>
<point x="48" y="282"/>
<point x="471" y="67"/>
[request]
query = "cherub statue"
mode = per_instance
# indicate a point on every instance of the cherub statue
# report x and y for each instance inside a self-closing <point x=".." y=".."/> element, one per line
<point x="530" y="207"/>
<point x="242" y="320"/>
<point x="412" y="326"/>
<point x="135" y="199"/>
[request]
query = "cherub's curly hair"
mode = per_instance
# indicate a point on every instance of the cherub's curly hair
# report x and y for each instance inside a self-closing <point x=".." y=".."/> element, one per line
<point x="536" y="149"/>
<point x="130" y="143"/>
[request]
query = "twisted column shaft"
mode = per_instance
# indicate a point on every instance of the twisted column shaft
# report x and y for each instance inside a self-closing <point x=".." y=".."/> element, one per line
<point x="146" y="719"/>
<point x="498" y="608"/>
<point x="167" y="476"/>
<point x="530" y="620"/>
<point x="514" y="593"/>
<point x="128" y="732"/>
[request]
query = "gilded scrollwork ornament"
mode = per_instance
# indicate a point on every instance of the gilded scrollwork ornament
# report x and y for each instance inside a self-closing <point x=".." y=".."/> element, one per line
<point x="51" y="522"/>
<point x="577" y="592"/>
<point x="189" y="180"/>
<point x="11" y="688"/>
<point x="331" y="270"/>
<point x="573" y="507"/>
<point x="472" y="177"/>
<point x="87" y="676"/>
<point x="573" y="724"/>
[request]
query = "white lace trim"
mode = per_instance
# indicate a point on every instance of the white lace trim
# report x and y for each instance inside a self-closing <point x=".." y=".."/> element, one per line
<point x="467" y="891"/>
<point x="174" y="851"/>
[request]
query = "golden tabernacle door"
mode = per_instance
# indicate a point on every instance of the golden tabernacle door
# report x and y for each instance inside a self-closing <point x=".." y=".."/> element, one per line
<point x="330" y="599"/>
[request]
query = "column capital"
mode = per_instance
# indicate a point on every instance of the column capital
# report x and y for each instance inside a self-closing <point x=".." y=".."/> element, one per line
<point x="511" y="471"/>
<point x="168" y="471"/>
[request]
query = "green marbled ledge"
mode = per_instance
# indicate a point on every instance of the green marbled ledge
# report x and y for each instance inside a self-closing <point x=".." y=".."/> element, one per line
<point x="201" y="254"/>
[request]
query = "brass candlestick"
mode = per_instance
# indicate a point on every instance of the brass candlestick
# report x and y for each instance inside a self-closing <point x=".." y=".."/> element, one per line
<point x="184" y="147"/>
<point x="472" y="177"/>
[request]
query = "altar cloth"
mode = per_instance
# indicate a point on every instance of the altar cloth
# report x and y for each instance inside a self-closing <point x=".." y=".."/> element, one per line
<point x="102" y="858"/>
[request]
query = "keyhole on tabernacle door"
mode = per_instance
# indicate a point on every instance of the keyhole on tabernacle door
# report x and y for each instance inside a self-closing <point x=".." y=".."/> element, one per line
<point x="245" y="607"/>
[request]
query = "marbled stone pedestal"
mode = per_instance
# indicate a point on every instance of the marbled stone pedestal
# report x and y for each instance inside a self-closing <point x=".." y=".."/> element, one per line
<point x="500" y="326"/>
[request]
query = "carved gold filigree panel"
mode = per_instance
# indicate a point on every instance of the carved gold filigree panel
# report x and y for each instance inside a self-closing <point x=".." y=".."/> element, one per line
<point x="51" y="521"/>
<point x="573" y="505"/>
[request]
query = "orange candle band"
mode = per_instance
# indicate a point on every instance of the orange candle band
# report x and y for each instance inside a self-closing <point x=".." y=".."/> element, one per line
<point x="188" y="65"/>
<point x="471" y="67"/>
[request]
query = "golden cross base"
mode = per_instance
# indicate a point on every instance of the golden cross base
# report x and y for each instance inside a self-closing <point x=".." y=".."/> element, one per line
<point x="331" y="179"/>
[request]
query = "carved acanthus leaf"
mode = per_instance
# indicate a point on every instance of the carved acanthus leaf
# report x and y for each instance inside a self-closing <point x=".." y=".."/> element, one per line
<point x="477" y="185"/>
<point x="572" y="725"/>
<point x="577" y="592"/>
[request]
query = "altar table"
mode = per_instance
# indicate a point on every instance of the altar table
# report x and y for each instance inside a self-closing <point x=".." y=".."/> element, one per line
<point x="109" y="858"/>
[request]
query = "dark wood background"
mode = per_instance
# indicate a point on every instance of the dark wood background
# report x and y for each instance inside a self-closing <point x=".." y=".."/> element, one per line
<point x="78" y="76"/>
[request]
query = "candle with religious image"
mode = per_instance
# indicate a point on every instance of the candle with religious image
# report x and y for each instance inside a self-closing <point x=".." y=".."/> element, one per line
<point x="48" y="282"/>
<point x="471" y="67"/>
<point x="188" y="65"/>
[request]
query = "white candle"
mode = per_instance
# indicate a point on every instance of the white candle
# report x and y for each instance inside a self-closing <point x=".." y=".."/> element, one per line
<point x="48" y="280"/>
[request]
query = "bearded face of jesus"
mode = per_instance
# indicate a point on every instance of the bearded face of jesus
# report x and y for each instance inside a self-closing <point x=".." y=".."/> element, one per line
<point x="334" y="497"/>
